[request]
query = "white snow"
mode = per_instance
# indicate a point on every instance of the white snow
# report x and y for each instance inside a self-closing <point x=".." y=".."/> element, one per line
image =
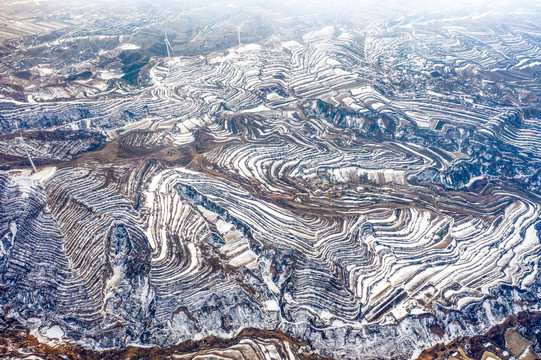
<point x="128" y="46"/>
<point x="271" y="305"/>
<point x="44" y="173"/>
<point x="291" y="44"/>
<point x="13" y="228"/>
<point x="54" y="332"/>
<point x="248" y="47"/>
<point x="256" y="109"/>
<point x="223" y="226"/>
<point x="108" y="74"/>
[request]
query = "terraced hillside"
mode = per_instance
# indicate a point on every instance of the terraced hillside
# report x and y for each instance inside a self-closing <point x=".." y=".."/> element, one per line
<point x="348" y="192"/>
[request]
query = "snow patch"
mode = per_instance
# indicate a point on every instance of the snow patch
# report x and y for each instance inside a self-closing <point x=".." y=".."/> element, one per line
<point x="128" y="46"/>
<point x="256" y="109"/>
<point x="54" y="332"/>
<point x="272" y="305"/>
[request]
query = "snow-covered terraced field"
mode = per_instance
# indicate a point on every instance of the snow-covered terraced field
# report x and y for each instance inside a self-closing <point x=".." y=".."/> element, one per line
<point x="349" y="188"/>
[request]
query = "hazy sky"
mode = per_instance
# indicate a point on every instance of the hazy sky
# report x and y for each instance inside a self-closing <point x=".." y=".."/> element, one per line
<point x="418" y="4"/>
<point x="331" y="10"/>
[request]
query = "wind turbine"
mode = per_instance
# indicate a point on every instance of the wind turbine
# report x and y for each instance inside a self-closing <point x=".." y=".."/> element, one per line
<point x="238" y="32"/>
<point x="168" y="45"/>
<point x="25" y="147"/>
